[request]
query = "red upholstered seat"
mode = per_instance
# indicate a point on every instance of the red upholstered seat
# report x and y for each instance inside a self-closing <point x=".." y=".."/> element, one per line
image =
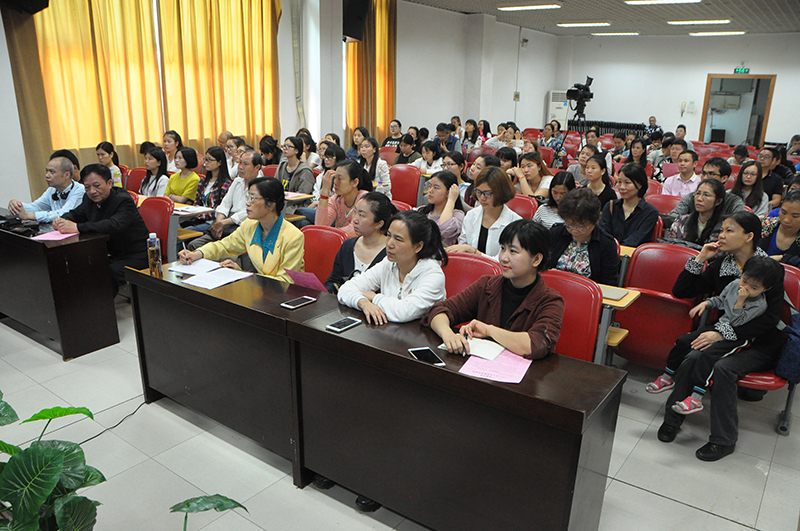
<point x="584" y="302"/>
<point x="463" y="269"/>
<point x="155" y="212"/>
<point x="320" y="247"/>
<point x="405" y="183"/>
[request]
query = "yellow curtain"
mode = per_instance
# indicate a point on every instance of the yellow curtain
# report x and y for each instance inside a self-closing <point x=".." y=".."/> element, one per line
<point x="100" y="65"/>
<point x="370" y="93"/>
<point x="220" y="63"/>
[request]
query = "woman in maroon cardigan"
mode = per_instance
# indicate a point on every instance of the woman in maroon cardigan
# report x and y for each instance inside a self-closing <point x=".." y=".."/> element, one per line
<point x="515" y="309"/>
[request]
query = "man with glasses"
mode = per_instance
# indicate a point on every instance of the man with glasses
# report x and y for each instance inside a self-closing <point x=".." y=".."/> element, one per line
<point x="769" y="158"/>
<point x="231" y="212"/>
<point x="714" y="168"/>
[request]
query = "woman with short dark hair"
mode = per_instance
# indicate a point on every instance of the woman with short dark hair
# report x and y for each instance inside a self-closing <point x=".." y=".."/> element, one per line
<point x="526" y="320"/>
<point x="579" y="245"/>
<point x="182" y="186"/>
<point x="630" y="219"/>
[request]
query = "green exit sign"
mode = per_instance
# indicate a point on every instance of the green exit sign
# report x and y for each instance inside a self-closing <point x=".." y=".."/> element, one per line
<point x="741" y="70"/>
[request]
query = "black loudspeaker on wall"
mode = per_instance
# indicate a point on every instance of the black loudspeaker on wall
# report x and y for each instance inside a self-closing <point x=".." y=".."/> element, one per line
<point x="26" y="6"/>
<point x="354" y="17"/>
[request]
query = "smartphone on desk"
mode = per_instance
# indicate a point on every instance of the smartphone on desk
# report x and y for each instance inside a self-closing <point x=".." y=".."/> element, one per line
<point x="343" y="324"/>
<point x="299" y="302"/>
<point x="427" y="355"/>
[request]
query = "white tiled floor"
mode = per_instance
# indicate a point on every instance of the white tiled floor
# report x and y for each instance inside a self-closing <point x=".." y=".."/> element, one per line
<point x="164" y="454"/>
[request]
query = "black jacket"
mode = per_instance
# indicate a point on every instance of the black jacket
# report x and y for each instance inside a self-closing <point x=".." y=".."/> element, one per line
<point x="118" y="217"/>
<point x="603" y="255"/>
<point x="635" y="230"/>
<point x="344" y="264"/>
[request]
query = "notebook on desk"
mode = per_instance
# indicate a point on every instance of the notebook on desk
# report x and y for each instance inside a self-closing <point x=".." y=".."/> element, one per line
<point x="612" y="293"/>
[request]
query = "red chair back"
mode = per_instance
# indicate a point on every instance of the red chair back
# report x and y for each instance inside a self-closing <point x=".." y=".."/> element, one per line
<point x="524" y="206"/>
<point x="572" y="150"/>
<point x="399" y="205"/>
<point x="653" y="188"/>
<point x="658" y="231"/>
<point x="135" y="178"/>
<point x="388" y="154"/>
<point x="463" y="269"/>
<point x="656" y="266"/>
<point x="124" y="171"/>
<point x="730" y="182"/>
<point x="321" y="245"/>
<point x="547" y="155"/>
<point x="475" y="153"/>
<point x="269" y="171"/>
<point x="405" y="183"/>
<point x="669" y="169"/>
<point x="664" y="203"/>
<point x="530" y="132"/>
<point x="583" y="304"/>
<point x="155" y="212"/>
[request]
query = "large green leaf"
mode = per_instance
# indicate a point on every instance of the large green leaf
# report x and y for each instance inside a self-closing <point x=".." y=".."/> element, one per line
<point x="28" y="479"/>
<point x="93" y="477"/>
<point x="7" y="413"/>
<point x="9" y="449"/>
<point x="58" y="412"/>
<point x="73" y="471"/>
<point x="205" y="503"/>
<point x="76" y="513"/>
<point x="18" y="525"/>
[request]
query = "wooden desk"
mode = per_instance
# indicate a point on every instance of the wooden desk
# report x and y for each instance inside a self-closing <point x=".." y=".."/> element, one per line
<point x="61" y="289"/>
<point x="175" y="221"/>
<point x="610" y="306"/>
<point x="298" y="198"/>
<point x="450" y="451"/>
<point x="624" y="250"/>
<point x="224" y="352"/>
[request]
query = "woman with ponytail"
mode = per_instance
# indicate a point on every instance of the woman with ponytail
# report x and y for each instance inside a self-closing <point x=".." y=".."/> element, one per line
<point x="109" y="158"/>
<point x="409" y="281"/>
<point x="350" y="182"/>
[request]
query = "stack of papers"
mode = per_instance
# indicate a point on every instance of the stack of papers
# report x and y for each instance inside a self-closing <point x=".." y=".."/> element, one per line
<point x="190" y="209"/>
<point x="483" y="348"/>
<point x="506" y="368"/>
<point x="197" y="267"/>
<point x="216" y="278"/>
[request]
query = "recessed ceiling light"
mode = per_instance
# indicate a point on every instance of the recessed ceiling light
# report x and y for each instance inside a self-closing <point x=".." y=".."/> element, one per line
<point x="716" y="33"/>
<point x="618" y="34"/>
<point x="697" y="22"/>
<point x="583" y="24"/>
<point x="659" y="2"/>
<point x="529" y="7"/>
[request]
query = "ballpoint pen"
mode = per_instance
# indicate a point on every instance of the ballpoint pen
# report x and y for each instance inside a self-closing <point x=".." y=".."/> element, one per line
<point x="464" y="352"/>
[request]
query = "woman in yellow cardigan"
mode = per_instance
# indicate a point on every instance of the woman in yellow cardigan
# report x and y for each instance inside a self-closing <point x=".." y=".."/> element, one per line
<point x="273" y="244"/>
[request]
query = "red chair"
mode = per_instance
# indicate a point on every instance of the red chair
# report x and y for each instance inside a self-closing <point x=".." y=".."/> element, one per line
<point x="399" y="205"/>
<point x="584" y="302"/>
<point x="649" y="170"/>
<point x="664" y="203"/>
<point x="768" y="381"/>
<point x="531" y="133"/>
<point x="794" y="159"/>
<point x="547" y="155"/>
<point x="748" y="209"/>
<point x="388" y="154"/>
<point x="320" y="246"/>
<point x="617" y="166"/>
<point x="669" y="169"/>
<point x="730" y="182"/>
<point x="735" y="169"/>
<point x="135" y="178"/>
<point x="475" y="153"/>
<point x="134" y="196"/>
<point x="269" y="171"/>
<point x="124" y="171"/>
<point x="659" y="229"/>
<point x="653" y="188"/>
<point x="572" y="150"/>
<point x="155" y="212"/>
<point x="405" y="183"/>
<point x="463" y="269"/>
<point x="656" y="319"/>
<point x="524" y="206"/>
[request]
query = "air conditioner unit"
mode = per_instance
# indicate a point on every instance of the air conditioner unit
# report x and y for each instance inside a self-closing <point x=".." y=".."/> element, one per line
<point x="557" y="106"/>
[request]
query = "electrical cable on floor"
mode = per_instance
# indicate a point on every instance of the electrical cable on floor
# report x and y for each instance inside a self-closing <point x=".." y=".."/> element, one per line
<point x="115" y="425"/>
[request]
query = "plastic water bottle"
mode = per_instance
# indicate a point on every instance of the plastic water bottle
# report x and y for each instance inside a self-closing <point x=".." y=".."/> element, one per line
<point x="154" y="256"/>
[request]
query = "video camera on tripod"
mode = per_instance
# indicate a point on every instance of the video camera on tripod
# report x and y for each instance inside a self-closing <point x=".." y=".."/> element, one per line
<point x="580" y="94"/>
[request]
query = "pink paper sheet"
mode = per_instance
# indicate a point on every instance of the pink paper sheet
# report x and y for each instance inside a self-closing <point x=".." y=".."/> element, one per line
<point x="53" y="236"/>
<point x="506" y="368"/>
<point x="306" y="280"/>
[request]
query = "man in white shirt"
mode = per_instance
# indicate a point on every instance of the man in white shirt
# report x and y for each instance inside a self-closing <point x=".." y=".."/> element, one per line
<point x="686" y="182"/>
<point x="231" y="211"/>
<point x="62" y="195"/>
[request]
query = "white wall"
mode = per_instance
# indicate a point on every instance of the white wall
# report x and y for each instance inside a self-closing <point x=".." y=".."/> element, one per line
<point x="13" y="178"/>
<point x="637" y="77"/>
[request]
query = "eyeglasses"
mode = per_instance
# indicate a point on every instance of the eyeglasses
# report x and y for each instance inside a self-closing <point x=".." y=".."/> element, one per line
<point x="483" y="193"/>
<point x="288" y="146"/>
<point x="250" y="198"/>
<point x="705" y="195"/>
<point x="576" y="229"/>
<point x="705" y="173"/>
<point x="448" y="164"/>
<point x="751" y="173"/>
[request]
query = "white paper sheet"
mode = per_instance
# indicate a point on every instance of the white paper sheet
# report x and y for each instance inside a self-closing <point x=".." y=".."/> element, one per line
<point x="218" y="277"/>
<point x="197" y="267"/>
<point x="483" y="348"/>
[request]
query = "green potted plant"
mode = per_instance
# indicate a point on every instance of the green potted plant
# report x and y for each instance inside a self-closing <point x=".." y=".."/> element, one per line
<point x="39" y="484"/>
<point x="217" y="502"/>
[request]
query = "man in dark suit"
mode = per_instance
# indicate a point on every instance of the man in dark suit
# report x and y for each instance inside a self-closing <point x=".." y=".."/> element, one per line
<point x="109" y="210"/>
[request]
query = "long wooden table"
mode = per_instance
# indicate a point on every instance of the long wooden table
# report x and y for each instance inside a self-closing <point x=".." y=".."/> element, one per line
<point x="450" y="451"/>
<point x="61" y="289"/>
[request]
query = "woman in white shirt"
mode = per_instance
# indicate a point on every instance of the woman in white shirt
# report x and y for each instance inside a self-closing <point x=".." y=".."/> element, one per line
<point x="472" y="137"/>
<point x="480" y="232"/>
<point x="155" y="181"/>
<point x="431" y="161"/>
<point x="547" y="214"/>
<point x="310" y="155"/>
<point x="109" y="158"/>
<point x="376" y="167"/>
<point x="531" y="177"/>
<point x="408" y="281"/>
